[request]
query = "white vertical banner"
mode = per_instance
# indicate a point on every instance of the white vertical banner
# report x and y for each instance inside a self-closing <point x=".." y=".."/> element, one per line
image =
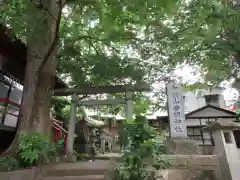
<point x="176" y="111"/>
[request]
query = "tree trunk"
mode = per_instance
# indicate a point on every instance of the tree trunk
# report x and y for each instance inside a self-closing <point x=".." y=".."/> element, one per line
<point x="38" y="86"/>
<point x="36" y="104"/>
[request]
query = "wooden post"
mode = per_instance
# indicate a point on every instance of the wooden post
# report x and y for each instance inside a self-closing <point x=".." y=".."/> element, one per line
<point x="71" y="126"/>
<point x="110" y="146"/>
<point x="1" y="58"/>
<point x="129" y="105"/>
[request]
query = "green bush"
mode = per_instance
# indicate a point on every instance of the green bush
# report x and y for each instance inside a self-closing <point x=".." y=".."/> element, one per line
<point x="34" y="149"/>
<point x="144" y="147"/>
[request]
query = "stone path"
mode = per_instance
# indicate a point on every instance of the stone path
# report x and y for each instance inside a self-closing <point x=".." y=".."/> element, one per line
<point x="98" y="168"/>
<point x="208" y="162"/>
<point x="109" y="156"/>
<point x="89" y="170"/>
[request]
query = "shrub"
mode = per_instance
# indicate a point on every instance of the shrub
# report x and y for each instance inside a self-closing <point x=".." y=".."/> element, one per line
<point x="144" y="147"/>
<point x="34" y="149"/>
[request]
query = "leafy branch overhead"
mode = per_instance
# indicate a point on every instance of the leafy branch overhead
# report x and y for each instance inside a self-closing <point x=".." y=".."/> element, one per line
<point x="101" y="42"/>
<point x="117" y="41"/>
<point x="205" y="33"/>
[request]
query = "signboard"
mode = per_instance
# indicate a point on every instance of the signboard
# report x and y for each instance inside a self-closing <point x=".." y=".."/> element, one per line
<point x="176" y="112"/>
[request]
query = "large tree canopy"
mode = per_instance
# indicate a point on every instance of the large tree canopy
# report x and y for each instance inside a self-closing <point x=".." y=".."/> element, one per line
<point x="88" y="42"/>
<point x="206" y="34"/>
<point x="113" y="42"/>
<point x="108" y="41"/>
<point x="101" y="42"/>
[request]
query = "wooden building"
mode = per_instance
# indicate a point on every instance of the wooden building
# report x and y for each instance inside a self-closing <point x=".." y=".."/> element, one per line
<point x="12" y="70"/>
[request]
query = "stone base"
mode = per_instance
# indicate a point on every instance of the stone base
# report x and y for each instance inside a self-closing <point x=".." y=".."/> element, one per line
<point x="182" y="146"/>
<point x="69" y="158"/>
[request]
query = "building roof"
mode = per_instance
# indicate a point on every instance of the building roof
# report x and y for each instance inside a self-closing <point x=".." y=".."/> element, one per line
<point x="163" y="118"/>
<point x="221" y="124"/>
<point x="94" y="122"/>
<point x="15" y="53"/>
<point x="198" y="113"/>
<point x="90" y="122"/>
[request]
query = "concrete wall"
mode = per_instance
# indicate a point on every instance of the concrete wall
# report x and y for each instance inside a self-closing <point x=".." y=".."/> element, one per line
<point x="195" y="100"/>
<point x="187" y="175"/>
<point x="192" y="102"/>
<point x="221" y="152"/>
<point x="227" y="152"/>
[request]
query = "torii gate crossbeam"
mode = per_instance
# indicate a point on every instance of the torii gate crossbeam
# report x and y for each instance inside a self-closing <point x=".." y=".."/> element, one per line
<point x="127" y="89"/>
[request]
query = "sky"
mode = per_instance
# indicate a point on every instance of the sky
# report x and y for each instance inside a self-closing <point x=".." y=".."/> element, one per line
<point x="188" y="75"/>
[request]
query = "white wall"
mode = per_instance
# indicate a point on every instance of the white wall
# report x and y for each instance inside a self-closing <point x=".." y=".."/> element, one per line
<point x="202" y="92"/>
<point x="196" y="100"/>
<point x="196" y="122"/>
<point x="191" y="102"/>
<point x="11" y="120"/>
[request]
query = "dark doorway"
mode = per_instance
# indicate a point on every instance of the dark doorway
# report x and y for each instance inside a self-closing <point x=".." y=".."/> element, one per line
<point x="236" y="134"/>
<point x="6" y="138"/>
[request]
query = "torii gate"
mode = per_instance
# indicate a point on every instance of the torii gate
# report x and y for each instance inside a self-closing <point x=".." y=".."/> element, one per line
<point x="128" y="89"/>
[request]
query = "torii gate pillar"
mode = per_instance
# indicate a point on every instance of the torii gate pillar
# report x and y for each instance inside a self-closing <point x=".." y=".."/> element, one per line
<point x="71" y="126"/>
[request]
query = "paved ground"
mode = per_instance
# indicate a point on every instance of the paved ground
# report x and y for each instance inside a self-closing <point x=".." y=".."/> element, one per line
<point x="109" y="155"/>
<point x="104" y="161"/>
<point x="96" y="164"/>
<point x="209" y="162"/>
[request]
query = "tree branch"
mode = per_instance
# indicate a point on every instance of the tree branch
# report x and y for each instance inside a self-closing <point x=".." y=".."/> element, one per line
<point x="83" y="97"/>
<point x="89" y="38"/>
<point x="94" y="48"/>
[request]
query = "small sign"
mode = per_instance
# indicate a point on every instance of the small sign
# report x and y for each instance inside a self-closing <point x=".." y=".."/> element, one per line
<point x="176" y="112"/>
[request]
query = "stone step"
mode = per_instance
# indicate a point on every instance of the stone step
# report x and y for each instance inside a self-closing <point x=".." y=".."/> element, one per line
<point x="88" y="177"/>
<point x="79" y="168"/>
<point x="74" y="172"/>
